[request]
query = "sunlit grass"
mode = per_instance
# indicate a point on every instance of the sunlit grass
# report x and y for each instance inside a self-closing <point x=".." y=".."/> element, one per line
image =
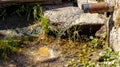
<point x="8" y="46"/>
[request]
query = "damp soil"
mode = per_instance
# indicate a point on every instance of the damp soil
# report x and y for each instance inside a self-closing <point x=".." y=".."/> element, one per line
<point x="69" y="50"/>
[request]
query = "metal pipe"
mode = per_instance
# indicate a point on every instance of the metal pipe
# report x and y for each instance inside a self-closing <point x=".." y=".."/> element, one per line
<point x="97" y="7"/>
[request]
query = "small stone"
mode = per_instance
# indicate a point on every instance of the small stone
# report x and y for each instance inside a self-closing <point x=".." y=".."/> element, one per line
<point x="100" y="31"/>
<point x="11" y="65"/>
<point x="66" y="65"/>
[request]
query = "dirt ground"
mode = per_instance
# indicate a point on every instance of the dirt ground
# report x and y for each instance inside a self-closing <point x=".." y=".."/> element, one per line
<point x="23" y="58"/>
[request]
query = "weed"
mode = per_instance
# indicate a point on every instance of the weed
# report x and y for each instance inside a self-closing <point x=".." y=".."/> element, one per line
<point x="27" y="9"/>
<point x="43" y="21"/>
<point x="19" y="10"/>
<point x="36" y="9"/>
<point x="109" y="55"/>
<point x="38" y="15"/>
<point x="73" y="33"/>
<point x="98" y="42"/>
<point x="3" y="14"/>
<point x="8" y="46"/>
<point x="76" y="33"/>
<point x="95" y="44"/>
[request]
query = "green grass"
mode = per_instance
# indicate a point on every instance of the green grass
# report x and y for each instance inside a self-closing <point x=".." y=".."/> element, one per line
<point x="38" y="16"/>
<point x="3" y="14"/>
<point x="94" y="45"/>
<point x="7" y="46"/>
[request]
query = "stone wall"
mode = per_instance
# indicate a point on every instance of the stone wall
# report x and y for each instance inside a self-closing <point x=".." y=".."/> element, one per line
<point x="114" y="40"/>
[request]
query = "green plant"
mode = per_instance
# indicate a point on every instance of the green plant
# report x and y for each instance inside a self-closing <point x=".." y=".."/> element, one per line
<point x="73" y="33"/>
<point x="94" y="44"/>
<point x="8" y="46"/>
<point x="24" y="9"/>
<point x="20" y="10"/>
<point x="76" y="33"/>
<point x="89" y="64"/>
<point x="3" y="14"/>
<point x="98" y="42"/>
<point x="109" y="55"/>
<point x="36" y="9"/>
<point x="38" y="15"/>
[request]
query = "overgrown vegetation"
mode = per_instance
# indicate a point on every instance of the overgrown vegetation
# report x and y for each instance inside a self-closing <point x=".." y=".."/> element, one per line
<point x="3" y="14"/>
<point x="8" y="46"/>
<point x="24" y="9"/>
<point x="71" y="46"/>
<point x="96" y="53"/>
<point x="38" y="15"/>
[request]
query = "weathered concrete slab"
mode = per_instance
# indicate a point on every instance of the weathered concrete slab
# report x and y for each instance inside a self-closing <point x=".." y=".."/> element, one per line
<point x="68" y="15"/>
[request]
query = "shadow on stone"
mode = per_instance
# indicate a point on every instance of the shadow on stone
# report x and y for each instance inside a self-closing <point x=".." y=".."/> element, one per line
<point x="83" y="30"/>
<point x="16" y="60"/>
<point x="13" y="22"/>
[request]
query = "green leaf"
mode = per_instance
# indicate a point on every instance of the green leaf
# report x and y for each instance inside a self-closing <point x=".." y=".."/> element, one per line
<point x="91" y="37"/>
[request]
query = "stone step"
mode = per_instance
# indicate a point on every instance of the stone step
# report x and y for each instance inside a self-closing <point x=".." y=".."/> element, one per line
<point x="68" y="15"/>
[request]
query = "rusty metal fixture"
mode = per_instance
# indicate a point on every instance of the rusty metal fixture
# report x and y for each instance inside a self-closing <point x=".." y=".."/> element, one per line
<point x="97" y="7"/>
